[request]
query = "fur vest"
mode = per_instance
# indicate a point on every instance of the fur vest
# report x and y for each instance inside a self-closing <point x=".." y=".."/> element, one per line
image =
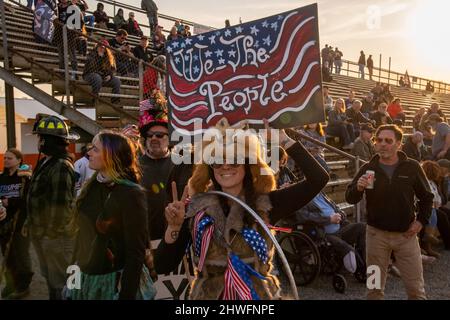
<point x="227" y="238"/>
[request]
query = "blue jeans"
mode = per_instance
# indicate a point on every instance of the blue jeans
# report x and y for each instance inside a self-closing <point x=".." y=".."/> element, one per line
<point x="90" y="21"/>
<point x="361" y="70"/>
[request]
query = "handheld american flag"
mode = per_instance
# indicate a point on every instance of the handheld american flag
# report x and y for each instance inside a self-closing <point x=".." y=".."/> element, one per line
<point x="269" y="68"/>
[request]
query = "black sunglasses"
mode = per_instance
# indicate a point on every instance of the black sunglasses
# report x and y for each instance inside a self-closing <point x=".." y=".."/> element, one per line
<point x="159" y="135"/>
<point x="387" y="140"/>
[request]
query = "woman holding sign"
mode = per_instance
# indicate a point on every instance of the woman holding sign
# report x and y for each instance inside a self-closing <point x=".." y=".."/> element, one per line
<point x="229" y="247"/>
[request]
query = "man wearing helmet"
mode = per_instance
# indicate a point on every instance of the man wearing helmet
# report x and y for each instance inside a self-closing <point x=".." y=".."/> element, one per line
<point x="49" y="201"/>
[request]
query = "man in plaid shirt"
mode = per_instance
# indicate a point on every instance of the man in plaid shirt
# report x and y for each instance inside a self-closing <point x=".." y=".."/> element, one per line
<point x="50" y="199"/>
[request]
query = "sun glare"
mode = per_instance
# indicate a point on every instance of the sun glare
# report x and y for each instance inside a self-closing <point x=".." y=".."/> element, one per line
<point x="428" y="29"/>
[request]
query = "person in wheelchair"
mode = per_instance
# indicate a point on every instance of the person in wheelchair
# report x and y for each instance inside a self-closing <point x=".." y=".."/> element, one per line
<point x="331" y="223"/>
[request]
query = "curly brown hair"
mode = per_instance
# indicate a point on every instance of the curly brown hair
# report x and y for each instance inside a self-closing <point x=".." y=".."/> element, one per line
<point x="433" y="171"/>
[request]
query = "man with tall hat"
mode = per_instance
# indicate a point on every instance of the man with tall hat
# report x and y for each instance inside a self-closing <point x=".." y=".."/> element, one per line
<point x="49" y="201"/>
<point x="156" y="163"/>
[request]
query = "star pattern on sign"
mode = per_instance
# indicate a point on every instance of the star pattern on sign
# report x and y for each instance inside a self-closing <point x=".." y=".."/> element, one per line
<point x="196" y="69"/>
<point x="219" y="53"/>
<point x="256" y="242"/>
<point x="195" y="57"/>
<point x="256" y="45"/>
<point x="169" y="49"/>
<point x="274" y="26"/>
<point x="227" y="33"/>
<point x="254" y="30"/>
<point x="175" y="44"/>
<point x="183" y="45"/>
<point x="208" y="54"/>
<point x="186" y="58"/>
<point x="188" y="41"/>
<point x="265" y="24"/>
<point x="221" y="61"/>
<point x="177" y="60"/>
<point x="280" y="17"/>
<point x="267" y="41"/>
<point x="201" y="37"/>
<point x="217" y="33"/>
<point x="232" y="53"/>
<point x="212" y="39"/>
<point x="238" y="30"/>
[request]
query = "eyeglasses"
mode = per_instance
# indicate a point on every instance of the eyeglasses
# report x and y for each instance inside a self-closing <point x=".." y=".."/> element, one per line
<point x="159" y="135"/>
<point x="386" y="140"/>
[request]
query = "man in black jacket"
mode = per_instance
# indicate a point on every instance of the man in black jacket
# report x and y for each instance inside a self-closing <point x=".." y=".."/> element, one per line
<point x="392" y="223"/>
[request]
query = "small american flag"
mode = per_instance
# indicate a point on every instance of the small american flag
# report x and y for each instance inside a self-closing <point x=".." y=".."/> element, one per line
<point x="202" y="234"/>
<point x="238" y="285"/>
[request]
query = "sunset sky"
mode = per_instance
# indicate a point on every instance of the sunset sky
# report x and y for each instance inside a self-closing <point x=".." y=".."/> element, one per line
<point x="415" y="33"/>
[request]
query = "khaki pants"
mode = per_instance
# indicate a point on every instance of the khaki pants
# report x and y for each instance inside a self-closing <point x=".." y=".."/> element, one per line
<point x="379" y="245"/>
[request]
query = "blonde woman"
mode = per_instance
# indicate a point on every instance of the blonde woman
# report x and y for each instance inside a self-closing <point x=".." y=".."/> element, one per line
<point x="340" y="126"/>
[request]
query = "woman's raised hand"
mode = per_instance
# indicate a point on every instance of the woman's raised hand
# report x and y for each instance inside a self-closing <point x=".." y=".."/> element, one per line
<point x="175" y="211"/>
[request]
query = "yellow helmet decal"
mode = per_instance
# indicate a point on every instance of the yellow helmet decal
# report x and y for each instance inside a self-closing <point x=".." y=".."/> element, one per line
<point x="51" y="125"/>
<point x="59" y="126"/>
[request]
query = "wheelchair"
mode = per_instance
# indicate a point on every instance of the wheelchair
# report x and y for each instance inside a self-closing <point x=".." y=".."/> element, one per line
<point x="309" y="254"/>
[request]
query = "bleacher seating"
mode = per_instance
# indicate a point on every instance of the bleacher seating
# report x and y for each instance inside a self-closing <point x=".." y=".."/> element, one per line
<point x="21" y="39"/>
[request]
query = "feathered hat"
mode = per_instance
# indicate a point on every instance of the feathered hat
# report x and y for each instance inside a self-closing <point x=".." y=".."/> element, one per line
<point x="152" y="112"/>
<point x="223" y="141"/>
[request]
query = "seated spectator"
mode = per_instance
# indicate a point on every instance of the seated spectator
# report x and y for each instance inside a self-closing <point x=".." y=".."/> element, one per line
<point x="413" y="146"/>
<point x="441" y="139"/>
<point x="395" y="110"/>
<point x="99" y="70"/>
<point x="418" y="118"/>
<point x="428" y="134"/>
<point x="141" y="51"/>
<point x="434" y="109"/>
<point x="88" y="20"/>
<point x="429" y="234"/>
<point x="355" y="116"/>
<point x="344" y="236"/>
<point x="129" y="67"/>
<point x="382" y="117"/>
<point x="350" y="99"/>
<point x="443" y="212"/>
<point x="377" y="90"/>
<point x="363" y="146"/>
<point x="315" y="131"/>
<point x="429" y="87"/>
<point x="133" y="26"/>
<point x="174" y="35"/>
<point x="368" y="106"/>
<point x="159" y="41"/>
<point x="119" y="43"/>
<point x="152" y="76"/>
<point x="102" y="19"/>
<point x="327" y="100"/>
<point x="187" y="31"/>
<point x="119" y="20"/>
<point x="386" y="95"/>
<point x="284" y="176"/>
<point x="339" y="126"/>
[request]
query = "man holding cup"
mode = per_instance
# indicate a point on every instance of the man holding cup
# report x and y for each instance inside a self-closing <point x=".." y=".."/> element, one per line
<point x="392" y="224"/>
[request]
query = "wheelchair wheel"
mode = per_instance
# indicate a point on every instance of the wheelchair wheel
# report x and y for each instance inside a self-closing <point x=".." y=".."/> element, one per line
<point x="339" y="283"/>
<point x="330" y="263"/>
<point x="302" y="255"/>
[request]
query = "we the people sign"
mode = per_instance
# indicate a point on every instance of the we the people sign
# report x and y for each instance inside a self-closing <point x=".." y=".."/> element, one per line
<point x="269" y="68"/>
